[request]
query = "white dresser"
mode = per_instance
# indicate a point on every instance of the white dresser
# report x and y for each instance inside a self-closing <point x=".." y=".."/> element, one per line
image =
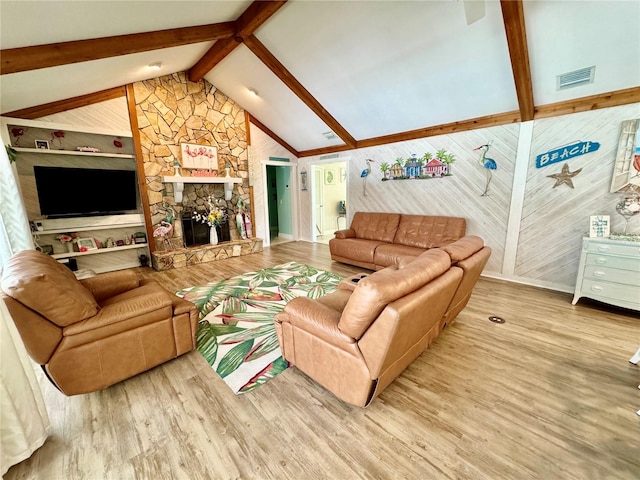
<point x="609" y="272"/>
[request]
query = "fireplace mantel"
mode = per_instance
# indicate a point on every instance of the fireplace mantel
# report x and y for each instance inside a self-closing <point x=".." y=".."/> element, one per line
<point x="179" y="182"/>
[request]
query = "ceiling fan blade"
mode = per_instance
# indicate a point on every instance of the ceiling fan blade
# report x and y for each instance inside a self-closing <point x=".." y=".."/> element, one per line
<point x="473" y="10"/>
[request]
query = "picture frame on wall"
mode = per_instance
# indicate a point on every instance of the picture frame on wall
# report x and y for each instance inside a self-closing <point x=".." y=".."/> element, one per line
<point x="330" y="176"/>
<point x="599" y="226"/>
<point x="199" y="156"/>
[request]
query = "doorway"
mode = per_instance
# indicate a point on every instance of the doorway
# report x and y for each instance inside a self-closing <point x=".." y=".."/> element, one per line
<point x="279" y="203"/>
<point x="329" y="196"/>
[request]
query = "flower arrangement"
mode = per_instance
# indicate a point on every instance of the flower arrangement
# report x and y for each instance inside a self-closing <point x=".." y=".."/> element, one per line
<point x="67" y="237"/>
<point x="213" y="216"/>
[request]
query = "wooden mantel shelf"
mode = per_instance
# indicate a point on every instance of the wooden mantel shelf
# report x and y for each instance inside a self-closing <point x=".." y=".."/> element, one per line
<point x="179" y="182"/>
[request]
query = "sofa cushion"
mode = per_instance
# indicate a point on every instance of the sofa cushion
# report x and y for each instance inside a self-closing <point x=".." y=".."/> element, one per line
<point x="355" y="249"/>
<point x="375" y="292"/>
<point x="463" y="248"/>
<point x="391" y="254"/>
<point x="41" y="283"/>
<point x="375" y="226"/>
<point x="424" y="231"/>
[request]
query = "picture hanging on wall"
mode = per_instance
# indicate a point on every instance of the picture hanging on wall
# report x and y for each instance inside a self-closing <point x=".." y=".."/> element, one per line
<point x="199" y="156"/>
<point x="330" y="176"/>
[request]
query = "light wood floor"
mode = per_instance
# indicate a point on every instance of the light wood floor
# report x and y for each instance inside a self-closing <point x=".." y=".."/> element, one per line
<point x="547" y="395"/>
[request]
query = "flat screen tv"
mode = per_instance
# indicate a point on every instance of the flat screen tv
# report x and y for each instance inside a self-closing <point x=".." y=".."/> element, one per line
<point x="76" y="192"/>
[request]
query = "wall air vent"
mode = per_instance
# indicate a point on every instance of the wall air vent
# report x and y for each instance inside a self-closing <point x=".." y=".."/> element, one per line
<point x="329" y="156"/>
<point x="576" y="78"/>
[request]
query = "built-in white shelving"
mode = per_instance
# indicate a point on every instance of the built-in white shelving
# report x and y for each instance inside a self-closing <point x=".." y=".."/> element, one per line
<point x="99" y="250"/>
<point x="74" y="153"/>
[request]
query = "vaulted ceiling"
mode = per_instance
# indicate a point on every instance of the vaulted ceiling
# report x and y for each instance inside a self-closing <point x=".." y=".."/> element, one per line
<point x="368" y="72"/>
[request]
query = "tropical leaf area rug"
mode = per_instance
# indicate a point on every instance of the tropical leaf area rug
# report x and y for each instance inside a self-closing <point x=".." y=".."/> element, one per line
<point x="236" y="334"/>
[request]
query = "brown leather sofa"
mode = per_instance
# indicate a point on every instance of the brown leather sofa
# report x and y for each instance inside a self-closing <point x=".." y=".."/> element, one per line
<point x="377" y="240"/>
<point x="357" y="340"/>
<point x="95" y="332"/>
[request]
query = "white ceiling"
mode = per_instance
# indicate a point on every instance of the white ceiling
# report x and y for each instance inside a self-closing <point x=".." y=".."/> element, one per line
<point x="378" y="67"/>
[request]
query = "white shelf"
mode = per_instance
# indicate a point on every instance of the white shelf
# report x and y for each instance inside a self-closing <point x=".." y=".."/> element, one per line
<point x="181" y="179"/>
<point x="86" y="229"/>
<point x="179" y="182"/>
<point x="99" y="250"/>
<point x="74" y="153"/>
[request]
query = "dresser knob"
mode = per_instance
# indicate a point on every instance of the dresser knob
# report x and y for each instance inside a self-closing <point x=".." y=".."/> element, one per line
<point x="599" y="273"/>
<point x="597" y="288"/>
<point x="601" y="260"/>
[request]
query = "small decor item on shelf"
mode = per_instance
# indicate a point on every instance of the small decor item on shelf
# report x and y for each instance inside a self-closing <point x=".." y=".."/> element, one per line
<point x="67" y="239"/>
<point x="140" y="237"/>
<point x="88" y="149"/>
<point x="119" y="243"/>
<point x="599" y="226"/>
<point x="85" y="244"/>
<point x="109" y="243"/>
<point x="213" y="216"/>
<point x="17" y="133"/>
<point x="176" y="167"/>
<point x="629" y="207"/>
<point x="204" y="173"/>
<point x="199" y="156"/>
<point x="42" y="144"/>
<point x="227" y="170"/>
<point x="57" y="135"/>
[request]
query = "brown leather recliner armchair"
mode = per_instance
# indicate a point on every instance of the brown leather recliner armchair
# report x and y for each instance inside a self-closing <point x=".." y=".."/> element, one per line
<point x="356" y="341"/>
<point x="95" y="332"/>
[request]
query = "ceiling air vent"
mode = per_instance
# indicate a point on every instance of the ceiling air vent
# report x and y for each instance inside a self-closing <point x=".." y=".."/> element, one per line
<point x="329" y="135"/>
<point x="576" y="78"/>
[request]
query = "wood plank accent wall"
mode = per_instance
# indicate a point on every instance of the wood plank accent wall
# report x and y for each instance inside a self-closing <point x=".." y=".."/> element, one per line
<point x="554" y="220"/>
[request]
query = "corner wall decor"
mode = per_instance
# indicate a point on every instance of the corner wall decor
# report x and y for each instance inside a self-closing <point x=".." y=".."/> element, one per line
<point x="567" y="152"/>
<point x="414" y="168"/>
<point x="626" y="170"/>
<point x="303" y="179"/>
<point x="565" y="176"/>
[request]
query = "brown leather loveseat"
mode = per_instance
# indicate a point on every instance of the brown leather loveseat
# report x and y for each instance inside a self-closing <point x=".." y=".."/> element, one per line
<point x="95" y="332"/>
<point x="357" y="340"/>
<point x="376" y="240"/>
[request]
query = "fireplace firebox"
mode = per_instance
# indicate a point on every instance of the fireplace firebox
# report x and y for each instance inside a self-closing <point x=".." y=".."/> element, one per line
<point x="196" y="233"/>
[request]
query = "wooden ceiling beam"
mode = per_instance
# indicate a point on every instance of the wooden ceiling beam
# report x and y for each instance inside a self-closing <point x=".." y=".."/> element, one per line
<point x="251" y="19"/>
<point x="513" y="17"/>
<point x="593" y="102"/>
<point x="280" y="71"/>
<point x="39" y="111"/>
<point x="275" y="137"/>
<point x="14" y="60"/>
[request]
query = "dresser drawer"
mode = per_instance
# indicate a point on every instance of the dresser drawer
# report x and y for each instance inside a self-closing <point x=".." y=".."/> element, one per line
<point x="627" y="293"/>
<point x="613" y="249"/>
<point x="607" y="274"/>
<point x="604" y="260"/>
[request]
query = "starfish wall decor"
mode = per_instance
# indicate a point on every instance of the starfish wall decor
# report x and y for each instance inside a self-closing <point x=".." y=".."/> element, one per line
<point x="565" y="176"/>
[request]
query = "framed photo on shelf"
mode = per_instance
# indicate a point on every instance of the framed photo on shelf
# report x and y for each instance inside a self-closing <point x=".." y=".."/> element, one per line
<point x="84" y="244"/>
<point x="599" y="226"/>
<point x="330" y="176"/>
<point x="42" y="144"/>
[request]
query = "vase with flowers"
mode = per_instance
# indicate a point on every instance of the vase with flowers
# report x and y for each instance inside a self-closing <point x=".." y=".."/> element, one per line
<point x="67" y="239"/>
<point x="214" y="216"/>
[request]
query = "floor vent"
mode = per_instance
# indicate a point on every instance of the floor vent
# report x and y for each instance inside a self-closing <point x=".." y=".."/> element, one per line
<point x="576" y="78"/>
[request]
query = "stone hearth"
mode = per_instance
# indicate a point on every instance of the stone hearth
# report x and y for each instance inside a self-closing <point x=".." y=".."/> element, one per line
<point x="181" y="257"/>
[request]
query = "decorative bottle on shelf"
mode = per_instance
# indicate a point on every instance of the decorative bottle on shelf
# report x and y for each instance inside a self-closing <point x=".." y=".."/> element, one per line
<point x="213" y="235"/>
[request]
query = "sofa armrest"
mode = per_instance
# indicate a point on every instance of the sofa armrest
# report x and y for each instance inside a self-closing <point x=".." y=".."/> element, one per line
<point x="316" y="319"/>
<point x="347" y="233"/>
<point x="149" y="303"/>
<point x="110" y="284"/>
